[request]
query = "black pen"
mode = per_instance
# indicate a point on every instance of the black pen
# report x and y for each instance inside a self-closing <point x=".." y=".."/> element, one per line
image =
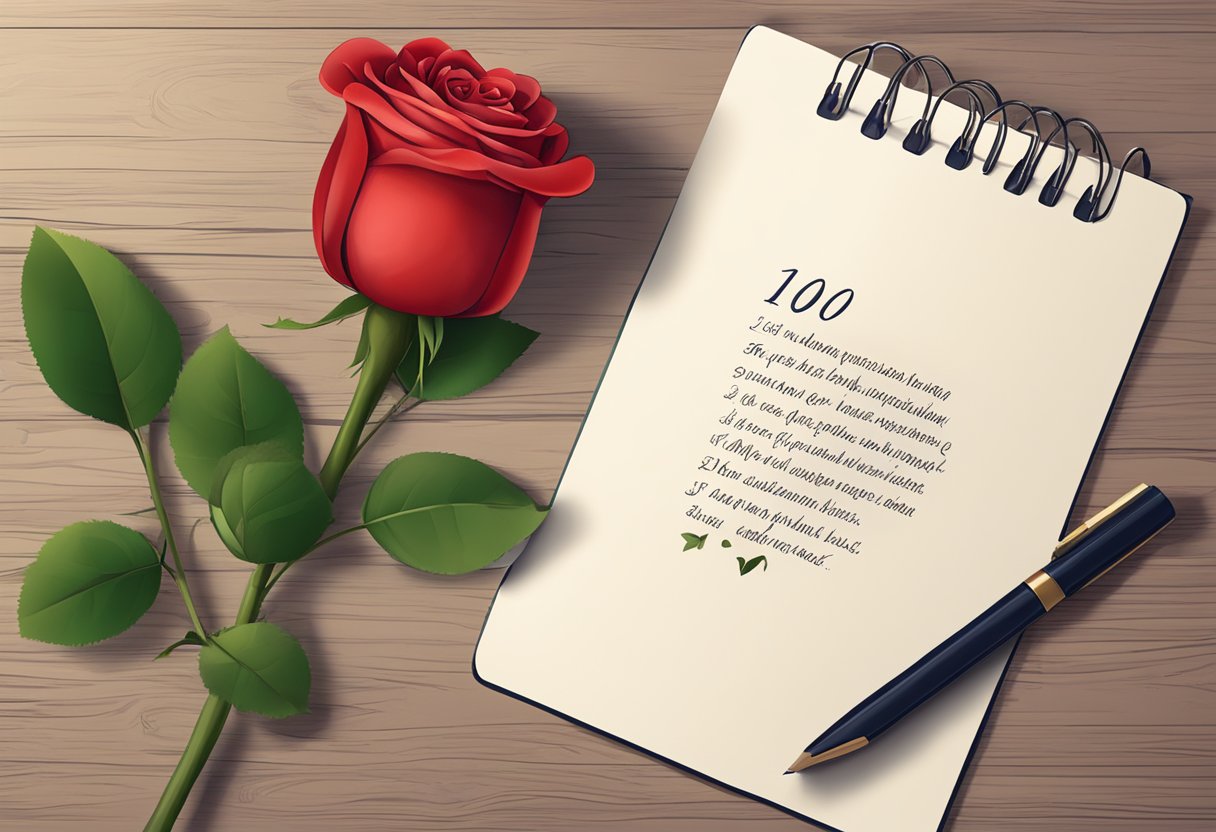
<point x="1084" y="555"/>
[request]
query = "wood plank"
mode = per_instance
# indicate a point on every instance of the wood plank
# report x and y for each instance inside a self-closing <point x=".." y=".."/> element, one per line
<point x="242" y="197"/>
<point x="240" y="84"/>
<point x="873" y="20"/>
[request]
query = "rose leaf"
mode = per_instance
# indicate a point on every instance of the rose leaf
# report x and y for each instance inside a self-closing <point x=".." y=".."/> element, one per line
<point x="105" y="344"/>
<point x="447" y="514"/>
<point x="225" y="400"/>
<point x="90" y="581"/>
<point x="352" y="305"/>
<point x="469" y="353"/>
<point x="257" y="667"/>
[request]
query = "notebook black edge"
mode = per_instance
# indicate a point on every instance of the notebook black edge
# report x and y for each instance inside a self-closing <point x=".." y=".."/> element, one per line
<point x="975" y="743"/>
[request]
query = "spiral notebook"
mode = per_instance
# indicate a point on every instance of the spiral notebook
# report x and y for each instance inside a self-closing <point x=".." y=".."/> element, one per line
<point x="851" y="406"/>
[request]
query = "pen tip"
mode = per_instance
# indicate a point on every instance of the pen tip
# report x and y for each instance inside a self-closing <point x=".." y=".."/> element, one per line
<point x="806" y="759"/>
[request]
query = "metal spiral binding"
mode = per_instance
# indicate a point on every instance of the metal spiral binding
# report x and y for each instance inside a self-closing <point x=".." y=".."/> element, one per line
<point x="834" y="105"/>
<point x="1093" y="206"/>
<point x="879" y="119"/>
<point x="961" y="152"/>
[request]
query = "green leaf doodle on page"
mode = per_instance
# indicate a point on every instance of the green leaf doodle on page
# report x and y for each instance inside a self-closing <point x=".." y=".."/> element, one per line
<point x="694" y="541"/>
<point x="746" y="566"/>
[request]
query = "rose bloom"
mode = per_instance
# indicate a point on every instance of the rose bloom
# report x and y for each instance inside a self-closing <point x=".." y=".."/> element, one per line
<point x="431" y="194"/>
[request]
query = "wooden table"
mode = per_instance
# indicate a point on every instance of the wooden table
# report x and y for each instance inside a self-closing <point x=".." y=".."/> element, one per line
<point x="187" y="136"/>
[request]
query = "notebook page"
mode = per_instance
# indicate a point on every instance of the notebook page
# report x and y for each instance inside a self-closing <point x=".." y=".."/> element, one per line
<point x="953" y="361"/>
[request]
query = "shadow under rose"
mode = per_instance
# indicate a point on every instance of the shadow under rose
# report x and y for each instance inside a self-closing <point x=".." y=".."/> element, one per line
<point x="593" y="249"/>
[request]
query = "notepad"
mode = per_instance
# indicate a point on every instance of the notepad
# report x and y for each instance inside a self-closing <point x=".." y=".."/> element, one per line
<point x="850" y="407"/>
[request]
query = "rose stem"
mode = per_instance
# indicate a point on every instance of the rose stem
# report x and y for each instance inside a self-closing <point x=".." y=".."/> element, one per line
<point x="389" y="336"/>
<point x="179" y="570"/>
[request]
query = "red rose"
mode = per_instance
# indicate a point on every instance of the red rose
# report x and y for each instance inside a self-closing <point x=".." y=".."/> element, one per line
<point x="431" y="194"/>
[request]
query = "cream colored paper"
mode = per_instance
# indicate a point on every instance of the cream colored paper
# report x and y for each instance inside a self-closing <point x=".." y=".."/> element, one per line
<point x="1025" y="314"/>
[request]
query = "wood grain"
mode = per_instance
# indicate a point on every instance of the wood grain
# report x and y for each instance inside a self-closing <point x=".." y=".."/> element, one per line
<point x="187" y="135"/>
<point x="830" y="16"/>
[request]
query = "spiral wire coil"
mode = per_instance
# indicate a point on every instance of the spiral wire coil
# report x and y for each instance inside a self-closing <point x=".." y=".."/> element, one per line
<point x="984" y="104"/>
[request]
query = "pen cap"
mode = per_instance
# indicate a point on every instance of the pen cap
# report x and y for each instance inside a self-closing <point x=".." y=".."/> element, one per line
<point x="1113" y="539"/>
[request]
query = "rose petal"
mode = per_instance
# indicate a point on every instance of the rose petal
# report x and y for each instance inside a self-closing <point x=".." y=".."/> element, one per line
<point x="527" y="88"/>
<point x="568" y="178"/>
<point x="495" y="116"/>
<point x="345" y="65"/>
<point x="513" y="264"/>
<point x="442" y="134"/>
<point x="379" y="109"/>
<point x="541" y="114"/>
<point x="554" y="146"/>
<point x="496" y="88"/>
<point x="422" y="115"/>
<point x="393" y="77"/>
<point x="427" y="243"/>
<point x="471" y="124"/>
<point x="458" y="59"/>
<point x="337" y="188"/>
<point x="457" y="85"/>
<point x="366" y="100"/>
<point x="417" y="50"/>
<point x="419" y="89"/>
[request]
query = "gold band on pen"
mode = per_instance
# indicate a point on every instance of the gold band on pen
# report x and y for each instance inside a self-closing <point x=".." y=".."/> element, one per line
<point x="1046" y="589"/>
<point x="1081" y="531"/>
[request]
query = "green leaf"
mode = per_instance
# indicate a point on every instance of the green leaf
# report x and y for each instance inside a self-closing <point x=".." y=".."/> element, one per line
<point x="447" y="514"/>
<point x="362" y="348"/>
<point x="257" y="667"/>
<point x="267" y="506"/>
<point x="693" y="541"/>
<point x="225" y="400"/>
<point x="190" y="637"/>
<point x="748" y="566"/>
<point x="104" y="343"/>
<point x="430" y="332"/>
<point x="471" y="353"/>
<point x="91" y="581"/>
<point x="726" y="544"/>
<point x="352" y="305"/>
